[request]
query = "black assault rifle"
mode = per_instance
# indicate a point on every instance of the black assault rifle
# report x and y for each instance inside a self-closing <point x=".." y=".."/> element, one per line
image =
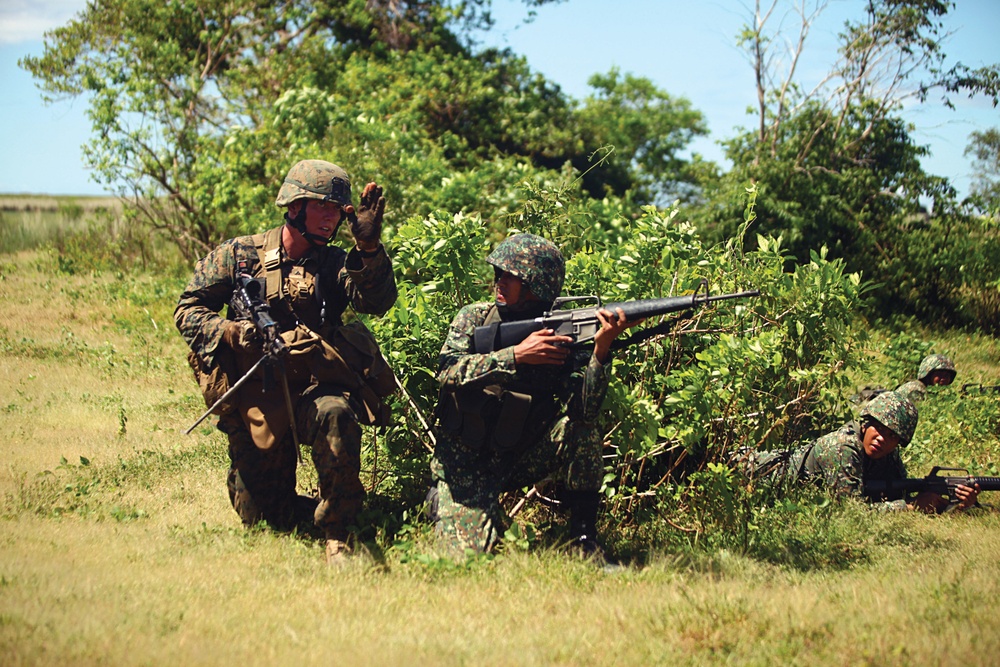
<point x="248" y="305"/>
<point x="981" y="388"/>
<point x="944" y="486"/>
<point x="581" y="324"/>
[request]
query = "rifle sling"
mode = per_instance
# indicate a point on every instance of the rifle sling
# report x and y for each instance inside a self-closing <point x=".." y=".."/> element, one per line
<point x="643" y="335"/>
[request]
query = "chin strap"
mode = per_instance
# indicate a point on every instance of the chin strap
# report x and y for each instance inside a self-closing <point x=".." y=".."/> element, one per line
<point x="298" y="223"/>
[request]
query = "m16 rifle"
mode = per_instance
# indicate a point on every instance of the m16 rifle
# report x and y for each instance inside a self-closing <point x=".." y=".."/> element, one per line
<point x="935" y="482"/>
<point x="975" y="388"/>
<point x="247" y="305"/>
<point x="581" y="324"/>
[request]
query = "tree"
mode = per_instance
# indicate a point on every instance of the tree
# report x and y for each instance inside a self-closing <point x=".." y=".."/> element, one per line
<point x="199" y="109"/>
<point x="648" y="128"/>
<point x="984" y="147"/>
<point x="170" y="83"/>
<point x="835" y="164"/>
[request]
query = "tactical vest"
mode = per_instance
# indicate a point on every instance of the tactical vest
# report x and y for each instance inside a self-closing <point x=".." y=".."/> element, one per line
<point x="493" y="418"/>
<point x="345" y="355"/>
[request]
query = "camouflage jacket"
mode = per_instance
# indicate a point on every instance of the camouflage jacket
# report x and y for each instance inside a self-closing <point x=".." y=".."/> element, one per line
<point x="915" y="390"/>
<point x="838" y="462"/>
<point x="343" y="279"/>
<point x="582" y="381"/>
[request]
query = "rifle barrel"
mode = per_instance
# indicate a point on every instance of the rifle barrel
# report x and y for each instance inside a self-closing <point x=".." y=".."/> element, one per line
<point x="724" y="297"/>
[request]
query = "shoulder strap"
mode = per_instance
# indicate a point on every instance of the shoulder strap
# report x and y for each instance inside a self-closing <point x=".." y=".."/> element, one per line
<point x="492" y="315"/>
<point x="268" y="247"/>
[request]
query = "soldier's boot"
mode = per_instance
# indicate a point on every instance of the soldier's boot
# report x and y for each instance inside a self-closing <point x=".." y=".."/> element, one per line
<point x="583" y="506"/>
<point x="338" y="550"/>
<point x="305" y="509"/>
<point x="241" y="499"/>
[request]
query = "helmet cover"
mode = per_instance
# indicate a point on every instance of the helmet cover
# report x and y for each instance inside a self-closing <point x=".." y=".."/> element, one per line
<point x="536" y="261"/>
<point x="315" y="179"/>
<point x="935" y="362"/>
<point x="895" y="412"/>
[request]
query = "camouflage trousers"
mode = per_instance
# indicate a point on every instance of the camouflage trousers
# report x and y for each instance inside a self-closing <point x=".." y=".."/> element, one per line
<point x="262" y="482"/>
<point x="469" y="482"/>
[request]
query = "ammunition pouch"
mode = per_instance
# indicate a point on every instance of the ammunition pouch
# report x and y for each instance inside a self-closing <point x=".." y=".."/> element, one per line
<point x="485" y="420"/>
<point x="215" y="380"/>
<point x="349" y="358"/>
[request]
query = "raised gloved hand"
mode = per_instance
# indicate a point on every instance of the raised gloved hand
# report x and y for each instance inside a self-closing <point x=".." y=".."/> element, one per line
<point x="366" y="222"/>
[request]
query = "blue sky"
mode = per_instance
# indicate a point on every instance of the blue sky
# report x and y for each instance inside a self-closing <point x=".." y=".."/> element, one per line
<point x="686" y="47"/>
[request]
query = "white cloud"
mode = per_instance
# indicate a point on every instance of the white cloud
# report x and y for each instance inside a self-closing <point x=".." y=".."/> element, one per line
<point x="27" y="20"/>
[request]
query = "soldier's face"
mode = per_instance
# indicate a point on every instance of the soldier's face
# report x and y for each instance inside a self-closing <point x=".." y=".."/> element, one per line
<point x="939" y="378"/>
<point x="879" y="441"/>
<point x="509" y="288"/>
<point x="322" y="217"/>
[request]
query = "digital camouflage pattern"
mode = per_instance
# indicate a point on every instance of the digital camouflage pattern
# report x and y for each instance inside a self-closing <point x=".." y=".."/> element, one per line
<point x="533" y="259"/>
<point x="914" y="390"/>
<point x="895" y="411"/>
<point x="837" y="461"/>
<point x="325" y="417"/>
<point x="935" y="362"/>
<point x="315" y="179"/>
<point x="561" y="437"/>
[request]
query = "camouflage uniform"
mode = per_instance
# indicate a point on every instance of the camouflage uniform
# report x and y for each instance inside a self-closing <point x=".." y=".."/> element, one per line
<point x="838" y="462"/>
<point x="510" y="443"/>
<point x="916" y="390"/>
<point x="262" y="475"/>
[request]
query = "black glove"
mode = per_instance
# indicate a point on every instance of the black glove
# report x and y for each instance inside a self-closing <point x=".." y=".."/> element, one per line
<point x="366" y="223"/>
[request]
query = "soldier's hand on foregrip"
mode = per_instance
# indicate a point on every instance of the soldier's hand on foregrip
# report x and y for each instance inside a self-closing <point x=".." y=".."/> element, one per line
<point x="240" y="336"/>
<point x="966" y="496"/>
<point x="612" y="325"/>
<point x="366" y="222"/>
<point x="542" y="347"/>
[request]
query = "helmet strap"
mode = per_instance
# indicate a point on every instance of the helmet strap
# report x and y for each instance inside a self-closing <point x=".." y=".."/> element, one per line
<point x="298" y="223"/>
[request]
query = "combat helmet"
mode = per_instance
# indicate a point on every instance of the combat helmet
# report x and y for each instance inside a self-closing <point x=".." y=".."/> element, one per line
<point x="894" y="411"/>
<point x="536" y="261"/>
<point x="935" y="362"/>
<point x="315" y="179"/>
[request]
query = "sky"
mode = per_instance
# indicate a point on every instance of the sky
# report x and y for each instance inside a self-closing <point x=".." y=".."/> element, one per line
<point x="685" y="47"/>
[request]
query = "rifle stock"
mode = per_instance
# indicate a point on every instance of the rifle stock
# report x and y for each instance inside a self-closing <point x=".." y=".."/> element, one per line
<point x="581" y="324"/>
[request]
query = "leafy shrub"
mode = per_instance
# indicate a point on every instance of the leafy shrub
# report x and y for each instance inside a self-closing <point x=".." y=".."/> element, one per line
<point x="726" y="378"/>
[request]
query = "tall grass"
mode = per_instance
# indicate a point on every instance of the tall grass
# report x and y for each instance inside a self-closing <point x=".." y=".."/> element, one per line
<point x="119" y="545"/>
<point x="28" y="222"/>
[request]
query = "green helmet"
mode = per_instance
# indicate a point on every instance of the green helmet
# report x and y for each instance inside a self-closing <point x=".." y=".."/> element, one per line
<point x="315" y="179"/>
<point x="895" y="412"/>
<point x="536" y="261"/>
<point x="935" y="362"/>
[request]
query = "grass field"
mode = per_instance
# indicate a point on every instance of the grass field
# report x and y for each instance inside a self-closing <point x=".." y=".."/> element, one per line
<point x="27" y="221"/>
<point x="119" y="546"/>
